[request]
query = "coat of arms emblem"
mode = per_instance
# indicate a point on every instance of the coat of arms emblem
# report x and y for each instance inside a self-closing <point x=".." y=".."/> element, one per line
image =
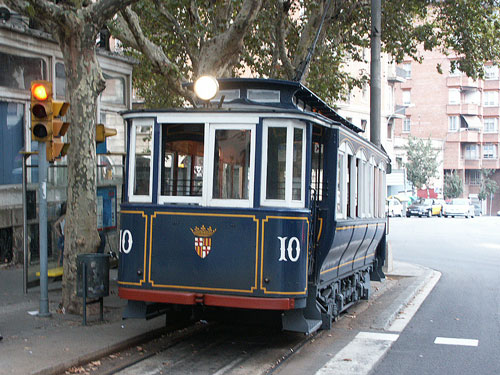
<point x="203" y="240"/>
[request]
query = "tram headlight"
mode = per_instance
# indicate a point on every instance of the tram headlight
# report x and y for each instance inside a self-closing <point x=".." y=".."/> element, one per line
<point x="206" y="87"/>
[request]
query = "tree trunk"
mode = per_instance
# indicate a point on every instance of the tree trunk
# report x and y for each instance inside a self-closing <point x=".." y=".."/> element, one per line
<point x="84" y="83"/>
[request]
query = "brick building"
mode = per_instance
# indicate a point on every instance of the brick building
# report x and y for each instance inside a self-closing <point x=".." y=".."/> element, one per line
<point x="458" y="114"/>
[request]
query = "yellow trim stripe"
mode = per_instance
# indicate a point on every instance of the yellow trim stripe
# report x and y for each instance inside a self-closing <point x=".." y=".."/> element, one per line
<point x="252" y="288"/>
<point x="143" y="280"/>
<point x="347" y="263"/>
<point x="262" y="287"/>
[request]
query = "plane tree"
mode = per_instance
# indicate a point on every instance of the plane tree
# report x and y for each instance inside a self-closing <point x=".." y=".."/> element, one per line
<point x="178" y="40"/>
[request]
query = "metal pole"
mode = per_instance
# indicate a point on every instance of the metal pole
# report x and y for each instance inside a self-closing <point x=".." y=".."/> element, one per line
<point x="25" y="228"/>
<point x="375" y="81"/>
<point x="42" y="190"/>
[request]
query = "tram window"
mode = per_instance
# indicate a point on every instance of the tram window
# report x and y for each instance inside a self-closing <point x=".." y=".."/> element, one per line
<point x="231" y="164"/>
<point x="297" y="164"/>
<point x="283" y="172"/>
<point x="182" y="160"/>
<point x="340" y="184"/>
<point x="317" y="171"/>
<point x="276" y="163"/>
<point x="141" y="176"/>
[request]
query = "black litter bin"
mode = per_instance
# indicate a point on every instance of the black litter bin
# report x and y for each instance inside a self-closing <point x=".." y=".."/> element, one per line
<point x="92" y="272"/>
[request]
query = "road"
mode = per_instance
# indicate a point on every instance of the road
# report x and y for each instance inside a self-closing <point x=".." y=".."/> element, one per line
<point x="457" y="329"/>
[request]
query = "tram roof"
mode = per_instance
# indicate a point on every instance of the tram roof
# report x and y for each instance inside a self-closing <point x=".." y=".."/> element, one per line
<point x="293" y="95"/>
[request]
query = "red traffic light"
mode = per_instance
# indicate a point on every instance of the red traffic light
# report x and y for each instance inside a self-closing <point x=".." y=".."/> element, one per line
<point x="39" y="92"/>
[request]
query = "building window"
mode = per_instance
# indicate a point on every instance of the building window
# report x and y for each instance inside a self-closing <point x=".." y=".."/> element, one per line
<point x="453" y="123"/>
<point x="11" y="142"/>
<point x="406" y="97"/>
<point x="407" y="70"/>
<point x="472" y="97"/>
<point x="471" y="152"/>
<point x="114" y="93"/>
<point x="473" y="176"/>
<point x="491" y="72"/>
<point x="389" y="129"/>
<point x="453" y="96"/>
<point x="17" y="72"/>
<point x="490" y="98"/>
<point x="60" y="80"/>
<point x="490" y="125"/>
<point x="406" y="125"/>
<point x="489" y="151"/>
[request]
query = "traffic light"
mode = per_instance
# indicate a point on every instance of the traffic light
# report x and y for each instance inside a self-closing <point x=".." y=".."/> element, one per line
<point x="103" y="132"/>
<point x="56" y="148"/>
<point x="41" y="110"/>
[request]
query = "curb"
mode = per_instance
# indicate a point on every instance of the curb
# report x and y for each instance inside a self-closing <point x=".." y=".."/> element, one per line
<point x="409" y="294"/>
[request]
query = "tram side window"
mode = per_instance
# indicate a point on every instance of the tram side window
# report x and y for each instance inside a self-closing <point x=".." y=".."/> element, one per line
<point x="283" y="172"/>
<point x="231" y="164"/>
<point x="182" y="160"/>
<point x="340" y="184"/>
<point x="297" y="164"/>
<point x="317" y="171"/>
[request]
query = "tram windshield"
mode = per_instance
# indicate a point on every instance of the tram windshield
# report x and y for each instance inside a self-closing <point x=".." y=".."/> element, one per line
<point x="182" y="160"/>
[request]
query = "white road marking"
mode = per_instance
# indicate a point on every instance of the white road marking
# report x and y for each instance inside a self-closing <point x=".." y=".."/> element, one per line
<point x="409" y="311"/>
<point x="377" y="336"/>
<point x="360" y="355"/>
<point x="453" y="341"/>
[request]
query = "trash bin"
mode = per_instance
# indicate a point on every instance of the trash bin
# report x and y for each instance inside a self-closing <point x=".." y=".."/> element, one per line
<point x="92" y="272"/>
<point x="97" y="267"/>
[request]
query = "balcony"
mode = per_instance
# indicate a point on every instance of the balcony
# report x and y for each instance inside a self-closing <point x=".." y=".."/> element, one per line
<point x="469" y="136"/>
<point x="491" y="137"/>
<point x="491" y="164"/>
<point x="396" y="74"/>
<point x="491" y="111"/>
<point x="470" y="109"/>
<point x="472" y="164"/>
<point x="464" y="82"/>
<point x="492" y="84"/>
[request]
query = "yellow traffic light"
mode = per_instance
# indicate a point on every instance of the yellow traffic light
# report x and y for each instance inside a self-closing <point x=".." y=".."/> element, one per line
<point x="41" y="110"/>
<point x="55" y="147"/>
<point x="103" y="132"/>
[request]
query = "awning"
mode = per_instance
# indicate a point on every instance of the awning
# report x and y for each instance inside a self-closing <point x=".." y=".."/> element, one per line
<point x="470" y="122"/>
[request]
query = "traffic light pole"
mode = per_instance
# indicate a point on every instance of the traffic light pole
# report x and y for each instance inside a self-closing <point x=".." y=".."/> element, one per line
<point x="42" y="192"/>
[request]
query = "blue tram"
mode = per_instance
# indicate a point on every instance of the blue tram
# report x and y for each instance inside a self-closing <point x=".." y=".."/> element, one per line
<point x="264" y="198"/>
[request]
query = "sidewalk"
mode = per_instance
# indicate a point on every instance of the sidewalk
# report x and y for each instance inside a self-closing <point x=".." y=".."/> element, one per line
<point x="33" y="345"/>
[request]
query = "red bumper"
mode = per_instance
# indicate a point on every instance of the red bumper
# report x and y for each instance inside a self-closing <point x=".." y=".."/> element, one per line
<point x="190" y="298"/>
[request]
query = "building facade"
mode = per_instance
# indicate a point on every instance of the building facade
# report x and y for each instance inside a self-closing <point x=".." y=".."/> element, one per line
<point x="458" y="114"/>
<point x="28" y="54"/>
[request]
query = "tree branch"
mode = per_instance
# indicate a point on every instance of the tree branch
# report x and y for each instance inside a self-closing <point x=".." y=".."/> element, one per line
<point x="104" y="10"/>
<point x="155" y="54"/>
<point x="280" y="31"/>
<point x="181" y="32"/>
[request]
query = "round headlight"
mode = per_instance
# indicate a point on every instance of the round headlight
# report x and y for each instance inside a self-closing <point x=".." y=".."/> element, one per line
<point x="206" y="87"/>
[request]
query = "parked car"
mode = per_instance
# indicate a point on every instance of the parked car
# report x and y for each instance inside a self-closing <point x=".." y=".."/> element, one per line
<point x="393" y="207"/>
<point x="437" y="207"/>
<point x="421" y="207"/>
<point x="459" y="207"/>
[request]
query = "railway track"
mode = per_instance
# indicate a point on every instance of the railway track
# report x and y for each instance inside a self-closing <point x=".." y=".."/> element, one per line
<point x="214" y="348"/>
